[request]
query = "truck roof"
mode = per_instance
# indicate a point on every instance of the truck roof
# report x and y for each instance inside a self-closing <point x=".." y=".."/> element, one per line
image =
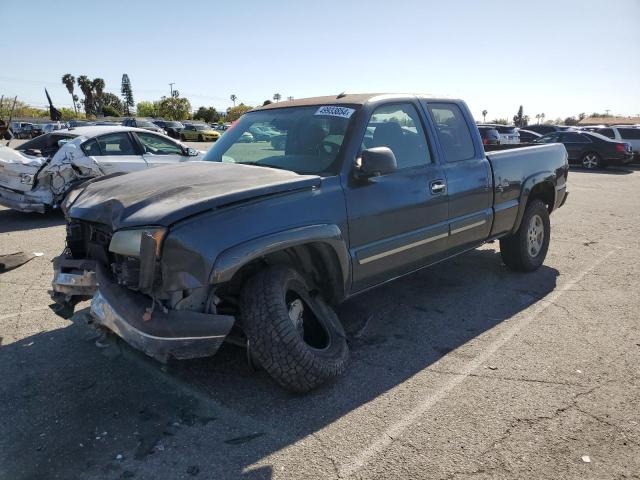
<point x="348" y="99"/>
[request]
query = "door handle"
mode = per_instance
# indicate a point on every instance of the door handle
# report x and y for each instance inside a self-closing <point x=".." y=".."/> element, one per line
<point x="438" y="187"/>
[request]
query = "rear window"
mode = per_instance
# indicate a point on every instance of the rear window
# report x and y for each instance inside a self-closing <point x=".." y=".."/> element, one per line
<point x="506" y="129"/>
<point x="607" y="132"/>
<point x="453" y="131"/>
<point x="630" y="133"/>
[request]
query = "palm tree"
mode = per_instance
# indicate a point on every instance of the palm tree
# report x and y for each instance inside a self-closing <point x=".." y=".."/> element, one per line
<point x="69" y="81"/>
<point x="538" y="118"/>
<point x="87" y="89"/>
<point x="542" y="117"/>
<point x="484" y="116"/>
<point x="290" y="98"/>
<point x="98" y="85"/>
<point x="277" y="97"/>
<point x="233" y="99"/>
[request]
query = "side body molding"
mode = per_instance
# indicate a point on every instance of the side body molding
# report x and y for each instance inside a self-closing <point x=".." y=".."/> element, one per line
<point x="232" y="259"/>
<point x="527" y="186"/>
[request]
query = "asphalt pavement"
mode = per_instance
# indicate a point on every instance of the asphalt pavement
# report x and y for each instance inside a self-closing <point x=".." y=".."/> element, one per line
<point x="463" y="370"/>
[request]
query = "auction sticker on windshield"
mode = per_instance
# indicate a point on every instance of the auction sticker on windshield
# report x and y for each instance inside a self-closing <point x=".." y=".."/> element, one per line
<point x="333" y="111"/>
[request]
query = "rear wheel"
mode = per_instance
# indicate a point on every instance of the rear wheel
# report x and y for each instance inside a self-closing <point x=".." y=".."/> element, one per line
<point x="591" y="161"/>
<point x="200" y="138"/>
<point x="295" y="336"/>
<point x="526" y="250"/>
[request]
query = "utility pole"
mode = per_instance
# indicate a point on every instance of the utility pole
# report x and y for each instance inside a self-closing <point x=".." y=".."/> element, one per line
<point x="171" y="87"/>
<point x="607" y="112"/>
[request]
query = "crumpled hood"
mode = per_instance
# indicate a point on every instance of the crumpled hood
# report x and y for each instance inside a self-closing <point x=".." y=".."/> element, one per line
<point x="163" y="196"/>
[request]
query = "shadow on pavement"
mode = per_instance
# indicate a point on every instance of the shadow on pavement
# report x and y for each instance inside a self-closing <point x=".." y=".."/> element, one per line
<point x="62" y="393"/>
<point x="13" y="221"/>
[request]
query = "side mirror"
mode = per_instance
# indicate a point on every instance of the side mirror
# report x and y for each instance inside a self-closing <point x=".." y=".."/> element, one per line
<point x="376" y="161"/>
<point x="192" y="152"/>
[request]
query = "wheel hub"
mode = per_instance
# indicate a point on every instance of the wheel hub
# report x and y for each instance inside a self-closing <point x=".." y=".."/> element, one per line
<point x="535" y="235"/>
<point x="296" y="311"/>
<point x="590" y="161"/>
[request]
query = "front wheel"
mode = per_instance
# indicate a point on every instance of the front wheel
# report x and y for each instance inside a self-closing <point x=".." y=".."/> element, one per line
<point x="526" y="250"/>
<point x="591" y="161"/>
<point x="183" y="138"/>
<point x="295" y="336"/>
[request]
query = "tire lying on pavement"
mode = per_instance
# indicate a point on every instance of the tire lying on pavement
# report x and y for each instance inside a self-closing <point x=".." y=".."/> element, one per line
<point x="526" y="250"/>
<point x="294" y="335"/>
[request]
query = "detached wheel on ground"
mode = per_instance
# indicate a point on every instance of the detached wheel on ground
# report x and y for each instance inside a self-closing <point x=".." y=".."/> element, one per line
<point x="294" y="335"/>
<point x="591" y="161"/>
<point x="526" y="250"/>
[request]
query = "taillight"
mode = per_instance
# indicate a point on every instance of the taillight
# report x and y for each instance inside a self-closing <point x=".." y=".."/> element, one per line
<point x="485" y="141"/>
<point x="621" y="148"/>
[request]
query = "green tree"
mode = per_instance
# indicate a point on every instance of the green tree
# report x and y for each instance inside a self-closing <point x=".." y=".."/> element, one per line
<point x="147" y="109"/>
<point x="112" y="103"/>
<point x="69" y="81"/>
<point x="98" y="89"/>
<point x="173" y="108"/>
<point x="127" y="93"/>
<point x="520" y="119"/>
<point x="209" y="115"/>
<point x="277" y="97"/>
<point x="484" y="116"/>
<point x="233" y="99"/>
<point x="235" y="113"/>
<point x="570" y="121"/>
<point x="86" y="86"/>
<point x="500" y="121"/>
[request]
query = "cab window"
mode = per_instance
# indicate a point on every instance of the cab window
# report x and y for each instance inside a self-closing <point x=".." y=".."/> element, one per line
<point x="398" y="127"/>
<point x="453" y="131"/>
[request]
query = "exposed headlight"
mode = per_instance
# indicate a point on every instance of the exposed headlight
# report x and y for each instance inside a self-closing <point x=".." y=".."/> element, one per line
<point x="26" y="178"/>
<point x="127" y="242"/>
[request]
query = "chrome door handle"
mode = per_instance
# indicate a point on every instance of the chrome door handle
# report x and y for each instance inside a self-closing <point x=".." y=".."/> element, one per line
<point x="438" y="187"/>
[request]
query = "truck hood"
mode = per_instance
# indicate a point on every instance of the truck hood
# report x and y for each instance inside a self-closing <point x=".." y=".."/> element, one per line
<point x="163" y="196"/>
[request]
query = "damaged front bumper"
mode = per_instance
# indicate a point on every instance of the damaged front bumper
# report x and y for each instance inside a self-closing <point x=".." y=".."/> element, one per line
<point x="164" y="333"/>
<point x="20" y="202"/>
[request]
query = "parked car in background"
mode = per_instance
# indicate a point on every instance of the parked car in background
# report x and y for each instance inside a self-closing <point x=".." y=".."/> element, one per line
<point x="172" y="127"/>
<point x="197" y="132"/>
<point x="508" y="133"/>
<point x="80" y="123"/>
<point x="37" y="129"/>
<point x="33" y="182"/>
<point x="52" y="127"/>
<point x="142" y="123"/>
<point x="627" y="134"/>
<point x="263" y="133"/>
<point x="21" y="129"/>
<point x="544" y="129"/>
<point x="489" y="135"/>
<point x="590" y="149"/>
<point x="527" y="136"/>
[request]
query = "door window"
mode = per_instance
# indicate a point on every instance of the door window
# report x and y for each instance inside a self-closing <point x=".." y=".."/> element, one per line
<point x="549" y="138"/>
<point x="453" y="131"/>
<point x="574" y="138"/>
<point x="116" y="144"/>
<point x="398" y="127"/>
<point x="157" y="145"/>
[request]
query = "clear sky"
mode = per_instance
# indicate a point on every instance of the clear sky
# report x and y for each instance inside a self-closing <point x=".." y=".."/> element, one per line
<point x="557" y="57"/>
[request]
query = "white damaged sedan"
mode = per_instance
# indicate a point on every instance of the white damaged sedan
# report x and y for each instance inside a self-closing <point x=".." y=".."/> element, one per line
<point x="38" y="177"/>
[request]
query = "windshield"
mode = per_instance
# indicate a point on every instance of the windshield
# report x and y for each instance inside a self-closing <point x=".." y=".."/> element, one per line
<point x="202" y="127"/>
<point x="174" y="125"/>
<point x="304" y="140"/>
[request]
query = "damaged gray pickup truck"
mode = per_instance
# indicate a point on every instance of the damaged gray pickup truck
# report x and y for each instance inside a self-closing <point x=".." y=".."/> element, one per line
<point x="258" y="242"/>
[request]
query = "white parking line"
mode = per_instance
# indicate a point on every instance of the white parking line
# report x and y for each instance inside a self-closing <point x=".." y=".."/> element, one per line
<point x="387" y="437"/>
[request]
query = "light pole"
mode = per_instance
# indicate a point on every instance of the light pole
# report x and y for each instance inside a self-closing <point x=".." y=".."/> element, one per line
<point x="171" y="89"/>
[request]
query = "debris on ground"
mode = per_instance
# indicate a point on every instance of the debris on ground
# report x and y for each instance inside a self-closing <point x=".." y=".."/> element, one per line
<point x="586" y="459"/>
<point x="14" y="260"/>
